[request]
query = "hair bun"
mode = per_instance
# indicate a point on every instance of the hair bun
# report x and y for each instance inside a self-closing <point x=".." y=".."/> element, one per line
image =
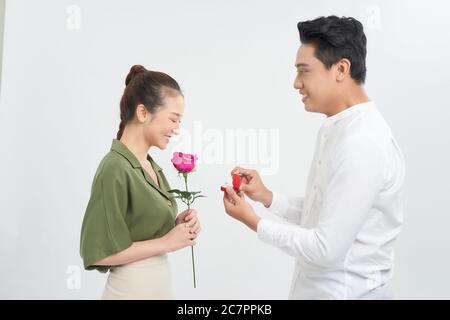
<point x="135" y="70"/>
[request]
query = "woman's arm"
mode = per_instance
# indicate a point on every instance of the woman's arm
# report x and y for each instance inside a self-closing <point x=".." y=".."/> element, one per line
<point x="137" y="251"/>
<point x="180" y="236"/>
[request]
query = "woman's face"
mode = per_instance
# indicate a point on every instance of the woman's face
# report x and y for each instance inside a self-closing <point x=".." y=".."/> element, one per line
<point x="165" y="122"/>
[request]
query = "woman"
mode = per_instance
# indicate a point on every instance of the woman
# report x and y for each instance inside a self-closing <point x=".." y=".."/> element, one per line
<point x="130" y="223"/>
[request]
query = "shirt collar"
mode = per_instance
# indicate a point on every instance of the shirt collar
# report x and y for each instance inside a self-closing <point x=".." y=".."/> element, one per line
<point x="347" y="112"/>
<point x="119" y="147"/>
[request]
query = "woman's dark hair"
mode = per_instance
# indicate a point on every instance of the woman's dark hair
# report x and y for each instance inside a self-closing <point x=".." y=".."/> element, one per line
<point x="145" y="87"/>
<point x="335" y="38"/>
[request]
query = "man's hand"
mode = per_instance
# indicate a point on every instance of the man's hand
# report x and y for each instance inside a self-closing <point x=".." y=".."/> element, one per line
<point x="236" y="206"/>
<point x="253" y="187"/>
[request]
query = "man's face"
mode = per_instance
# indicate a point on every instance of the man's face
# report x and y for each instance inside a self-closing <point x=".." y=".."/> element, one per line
<point x="315" y="83"/>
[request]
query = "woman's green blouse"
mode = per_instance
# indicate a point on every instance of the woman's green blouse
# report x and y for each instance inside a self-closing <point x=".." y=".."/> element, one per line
<point x="125" y="206"/>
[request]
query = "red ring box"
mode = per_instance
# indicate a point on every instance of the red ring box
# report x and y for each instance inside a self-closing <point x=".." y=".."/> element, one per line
<point x="236" y="183"/>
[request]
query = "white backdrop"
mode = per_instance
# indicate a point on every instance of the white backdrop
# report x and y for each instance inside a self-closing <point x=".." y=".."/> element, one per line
<point x="64" y="67"/>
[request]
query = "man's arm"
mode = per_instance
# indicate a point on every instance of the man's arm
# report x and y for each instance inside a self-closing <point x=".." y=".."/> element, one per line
<point x="288" y="207"/>
<point x="356" y="179"/>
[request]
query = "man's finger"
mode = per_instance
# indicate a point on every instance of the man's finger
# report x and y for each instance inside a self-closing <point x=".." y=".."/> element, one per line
<point x="247" y="174"/>
<point x="244" y="187"/>
<point x="237" y="170"/>
<point x="233" y="195"/>
<point x="228" y="201"/>
<point x="242" y="171"/>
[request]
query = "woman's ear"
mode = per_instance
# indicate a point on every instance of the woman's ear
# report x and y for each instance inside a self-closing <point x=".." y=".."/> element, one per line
<point x="142" y="114"/>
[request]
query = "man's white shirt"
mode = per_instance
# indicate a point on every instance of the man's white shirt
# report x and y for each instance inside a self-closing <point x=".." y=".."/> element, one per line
<point x="342" y="232"/>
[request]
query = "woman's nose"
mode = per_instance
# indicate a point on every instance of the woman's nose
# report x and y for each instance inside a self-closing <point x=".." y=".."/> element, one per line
<point x="176" y="131"/>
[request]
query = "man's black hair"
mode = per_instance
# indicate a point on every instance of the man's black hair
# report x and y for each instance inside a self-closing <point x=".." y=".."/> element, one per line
<point x="335" y="38"/>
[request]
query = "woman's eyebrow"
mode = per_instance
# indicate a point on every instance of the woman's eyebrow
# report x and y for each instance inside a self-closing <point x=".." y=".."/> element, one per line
<point x="177" y="114"/>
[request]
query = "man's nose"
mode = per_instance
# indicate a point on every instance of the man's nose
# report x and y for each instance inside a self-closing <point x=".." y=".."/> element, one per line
<point x="298" y="83"/>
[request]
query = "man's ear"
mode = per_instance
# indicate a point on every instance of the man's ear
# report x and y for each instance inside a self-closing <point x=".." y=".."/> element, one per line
<point x="142" y="114"/>
<point x="343" y="69"/>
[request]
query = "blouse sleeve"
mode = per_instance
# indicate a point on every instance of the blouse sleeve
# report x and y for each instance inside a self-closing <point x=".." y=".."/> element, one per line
<point x="104" y="230"/>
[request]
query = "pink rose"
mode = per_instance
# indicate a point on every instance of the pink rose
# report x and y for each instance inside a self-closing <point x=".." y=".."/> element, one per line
<point x="184" y="162"/>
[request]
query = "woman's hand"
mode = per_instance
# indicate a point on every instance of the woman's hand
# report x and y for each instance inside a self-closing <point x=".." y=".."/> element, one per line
<point x="179" y="237"/>
<point x="190" y="217"/>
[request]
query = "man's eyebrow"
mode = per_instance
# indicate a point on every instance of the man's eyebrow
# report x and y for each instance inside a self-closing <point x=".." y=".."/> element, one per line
<point x="301" y="65"/>
<point x="177" y="114"/>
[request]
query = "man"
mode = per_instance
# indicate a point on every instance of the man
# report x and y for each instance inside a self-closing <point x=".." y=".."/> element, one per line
<point x="343" y="230"/>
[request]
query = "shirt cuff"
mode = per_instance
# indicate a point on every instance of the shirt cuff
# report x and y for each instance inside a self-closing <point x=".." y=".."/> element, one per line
<point x="279" y="203"/>
<point x="266" y="230"/>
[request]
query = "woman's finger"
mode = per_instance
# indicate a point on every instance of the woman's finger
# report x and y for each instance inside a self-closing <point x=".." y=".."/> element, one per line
<point x="192" y="213"/>
<point x="197" y="228"/>
<point x="192" y="223"/>
<point x="195" y="225"/>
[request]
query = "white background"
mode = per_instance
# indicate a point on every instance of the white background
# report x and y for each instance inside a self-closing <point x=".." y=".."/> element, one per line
<point x="63" y="76"/>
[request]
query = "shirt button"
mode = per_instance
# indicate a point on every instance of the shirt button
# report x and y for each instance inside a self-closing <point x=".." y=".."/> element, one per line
<point x="320" y="162"/>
